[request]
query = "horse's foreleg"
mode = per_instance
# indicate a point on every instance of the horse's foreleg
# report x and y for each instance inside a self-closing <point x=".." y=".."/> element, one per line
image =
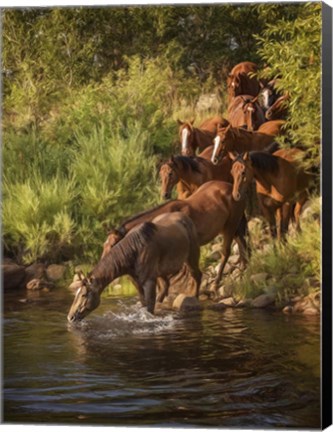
<point x="298" y="209"/>
<point x="226" y="249"/>
<point x="268" y="214"/>
<point x="285" y="218"/>
<point x="193" y="266"/>
<point x="278" y="213"/>
<point x="243" y="245"/>
<point x="163" y="289"/>
<point x="149" y="288"/>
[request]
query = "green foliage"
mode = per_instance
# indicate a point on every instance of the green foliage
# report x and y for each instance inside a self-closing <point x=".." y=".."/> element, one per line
<point x="292" y="50"/>
<point x="37" y="223"/>
<point x="91" y="98"/>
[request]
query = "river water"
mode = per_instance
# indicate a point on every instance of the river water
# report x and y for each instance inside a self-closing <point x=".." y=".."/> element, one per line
<point x="121" y="366"/>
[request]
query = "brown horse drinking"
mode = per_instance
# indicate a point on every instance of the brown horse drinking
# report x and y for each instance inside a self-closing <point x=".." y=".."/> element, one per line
<point x="150" y="250"/>
<point x="188" y="173"/>
<point x="193" y="138"/>
<point x="279" y="181"/>
<point x="240" y="140"/>
<point x="245" y="111"/>
<point x="212" y="210"/>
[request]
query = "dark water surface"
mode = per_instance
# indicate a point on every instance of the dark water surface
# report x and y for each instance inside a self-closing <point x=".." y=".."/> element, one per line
<point x="237" y="368"/>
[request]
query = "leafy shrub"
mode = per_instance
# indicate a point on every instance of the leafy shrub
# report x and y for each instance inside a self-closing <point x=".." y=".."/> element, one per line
<point x="37" y="223"/>
<point x="292" y="50"/>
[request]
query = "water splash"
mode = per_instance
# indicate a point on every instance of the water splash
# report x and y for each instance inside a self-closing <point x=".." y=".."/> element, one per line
<point x="130" y="320"/>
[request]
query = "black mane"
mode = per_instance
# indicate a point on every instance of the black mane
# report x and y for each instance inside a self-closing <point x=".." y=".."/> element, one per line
<point x="123" y="253"/>
<point x="187" y="162"/>
<point x="264" y="161"/>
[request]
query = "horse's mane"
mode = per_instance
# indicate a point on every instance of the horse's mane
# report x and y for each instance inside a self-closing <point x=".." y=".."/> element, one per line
<point x="187" y="162"/>
<point x="264" y="161"/>
<point x="238" y="131"/>
<point x="126" y="250"/>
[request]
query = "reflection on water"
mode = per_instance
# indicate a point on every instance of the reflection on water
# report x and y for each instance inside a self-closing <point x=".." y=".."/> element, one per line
<point x="123" y="366"/>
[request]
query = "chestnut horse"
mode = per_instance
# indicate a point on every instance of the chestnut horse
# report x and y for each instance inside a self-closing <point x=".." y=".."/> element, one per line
<point x="240" y="140"/>
<point x="213" y="212"/>
<point x="241" y="83"/>
<point x="279" y="109"/>
<point x="151" y="250"/>
<point x="245" y="111"/>
<point x="188" y="173"/>
<point x="273" y="127"/>
<point x="279" y="180"/>
<point x="193" y="138"/>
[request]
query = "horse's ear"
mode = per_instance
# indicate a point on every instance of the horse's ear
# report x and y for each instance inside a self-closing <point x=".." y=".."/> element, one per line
<point x="246" y="156"/>
<point x="192" y="121"/>
<point x="180" y="122"/>
<point x="255" y="99"/>
<point x="232" y="155"/>
<point x="224" y="123"/>
<point x="81" y="275"/>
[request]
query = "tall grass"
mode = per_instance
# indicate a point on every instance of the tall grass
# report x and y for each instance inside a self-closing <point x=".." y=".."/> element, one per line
<point x="37" y="221"/>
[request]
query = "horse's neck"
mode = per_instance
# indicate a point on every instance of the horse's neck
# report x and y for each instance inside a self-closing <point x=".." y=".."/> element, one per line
<point x="264" y="178"/>
<point x="202" y="138"/>
<point x="251" y="140"/>
<point x="242" y="141"/>
<point x="105" y="274"/>
<point x="189" y="177"/>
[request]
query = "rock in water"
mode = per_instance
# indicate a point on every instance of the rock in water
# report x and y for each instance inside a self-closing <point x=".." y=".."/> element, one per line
<point x="55" y="272"/>
<point x="263" y="300"/>
<point x="13" y="276"/>
<point x="184" y="303"/>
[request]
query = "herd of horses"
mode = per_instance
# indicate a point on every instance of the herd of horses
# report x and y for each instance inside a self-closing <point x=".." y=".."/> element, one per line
<point x="217" y="164"/>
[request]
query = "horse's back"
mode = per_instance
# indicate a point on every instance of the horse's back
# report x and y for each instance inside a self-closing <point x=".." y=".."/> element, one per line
<point x="210" y="191"/>
<point x="244" y="67"/>
<point x="272" y="127"/>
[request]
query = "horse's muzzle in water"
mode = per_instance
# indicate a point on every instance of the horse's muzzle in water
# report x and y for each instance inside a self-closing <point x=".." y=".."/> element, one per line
<point x="73" y="318"/>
